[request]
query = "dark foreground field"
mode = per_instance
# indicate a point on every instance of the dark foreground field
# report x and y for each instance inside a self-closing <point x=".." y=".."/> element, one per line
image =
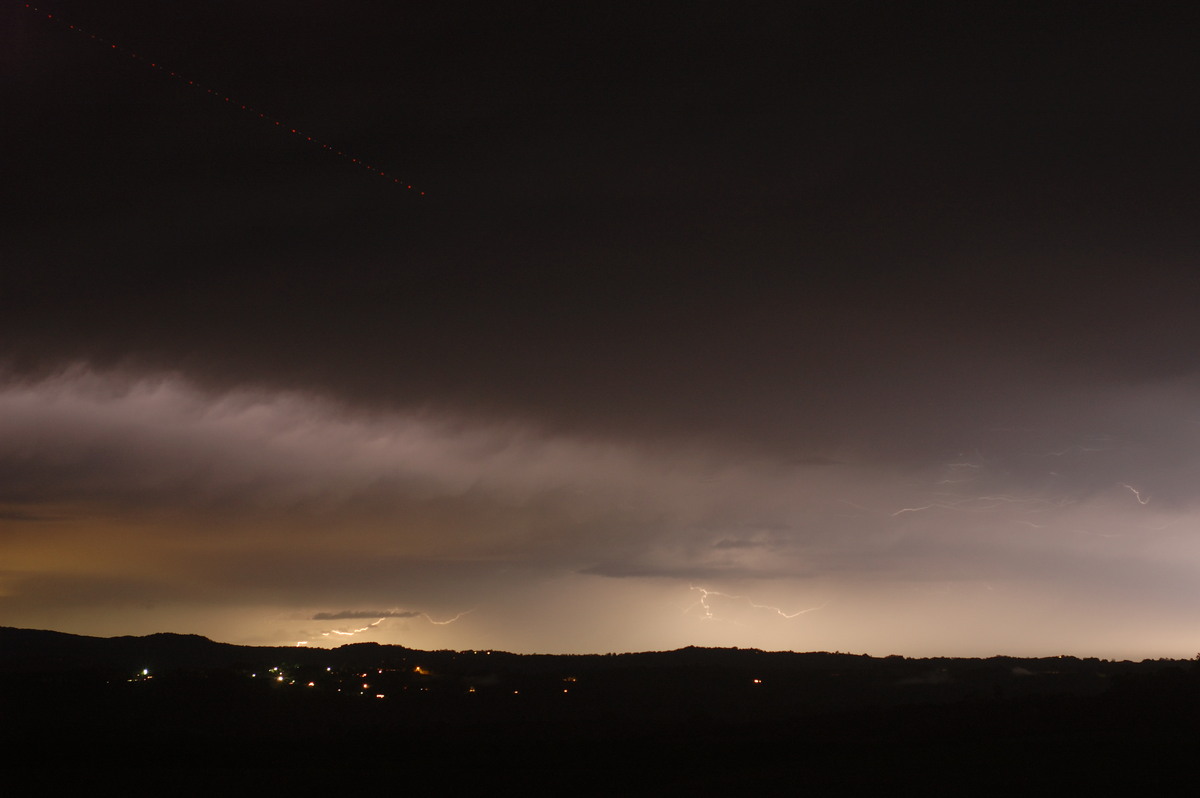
<point x="182" y="713"/>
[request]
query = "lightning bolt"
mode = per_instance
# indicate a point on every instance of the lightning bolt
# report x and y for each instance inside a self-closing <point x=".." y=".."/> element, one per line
<point x="956" y="471"/>
<point x="1137" y="493"/>
<point x="352" y="632"/>
<point x="425" y="615"/>
<point x="390" y="614"/>
<point x="904" y="510"/>
<point x="703" y="604"/>
<point x="976" y="504"/>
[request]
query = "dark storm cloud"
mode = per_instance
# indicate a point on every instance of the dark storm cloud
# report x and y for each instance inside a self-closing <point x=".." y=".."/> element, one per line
<point x="361" y="614"/>
<point x="638" y="508"/>
<point x="837" y="295"/>
<point x="640" y="224"/>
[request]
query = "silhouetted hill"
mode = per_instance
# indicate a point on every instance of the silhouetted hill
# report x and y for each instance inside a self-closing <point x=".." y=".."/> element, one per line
<point x="193" y="704"/>
<point x="33" y="649"/>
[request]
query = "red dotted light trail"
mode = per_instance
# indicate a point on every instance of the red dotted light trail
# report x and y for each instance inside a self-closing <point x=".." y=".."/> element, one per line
<point x="372" y="170"/>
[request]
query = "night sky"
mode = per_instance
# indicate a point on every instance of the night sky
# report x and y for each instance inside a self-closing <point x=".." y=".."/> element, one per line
<point x="841" y="326"/>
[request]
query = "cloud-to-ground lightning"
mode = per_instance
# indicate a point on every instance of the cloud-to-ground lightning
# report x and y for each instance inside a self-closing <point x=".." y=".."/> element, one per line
<point x="703" y="604"/>
<point x="184" y="80"/>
